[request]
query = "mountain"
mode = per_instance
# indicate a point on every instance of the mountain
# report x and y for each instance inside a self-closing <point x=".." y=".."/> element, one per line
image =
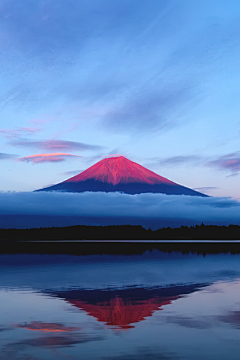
<point x="122" y="175"/>
<point x="122" y="308"/>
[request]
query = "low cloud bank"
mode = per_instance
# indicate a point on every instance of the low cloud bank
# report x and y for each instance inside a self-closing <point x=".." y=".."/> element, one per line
<point x="118" y="208"/>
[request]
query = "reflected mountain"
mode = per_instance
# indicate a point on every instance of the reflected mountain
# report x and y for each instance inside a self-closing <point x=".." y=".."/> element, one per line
<point x="121" y="308"/>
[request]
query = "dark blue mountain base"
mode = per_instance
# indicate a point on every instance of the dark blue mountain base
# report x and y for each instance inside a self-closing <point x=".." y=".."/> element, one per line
<point x="130" y="188"/>
<point x="132" y="294"/>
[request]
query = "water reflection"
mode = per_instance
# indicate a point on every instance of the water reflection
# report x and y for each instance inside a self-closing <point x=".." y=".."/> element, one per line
<point x="46" y="327"/>
<point x="172" y="306"/>
<point x="123" y="307"/>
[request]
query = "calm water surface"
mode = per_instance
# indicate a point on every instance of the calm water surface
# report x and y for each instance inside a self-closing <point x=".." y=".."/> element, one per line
<point x="151" y="306"/>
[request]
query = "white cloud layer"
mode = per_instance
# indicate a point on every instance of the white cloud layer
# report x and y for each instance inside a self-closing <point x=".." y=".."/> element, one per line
<point x="115" y="205"/>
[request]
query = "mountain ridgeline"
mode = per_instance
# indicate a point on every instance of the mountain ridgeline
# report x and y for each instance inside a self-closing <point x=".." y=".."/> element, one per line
<point x="118" y="174"/>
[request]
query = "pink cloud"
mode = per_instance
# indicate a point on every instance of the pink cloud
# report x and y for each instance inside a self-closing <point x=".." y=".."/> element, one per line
<point x="228" y="162"/>
<point x="52" y="157"/>
<point x="30" y="129"/>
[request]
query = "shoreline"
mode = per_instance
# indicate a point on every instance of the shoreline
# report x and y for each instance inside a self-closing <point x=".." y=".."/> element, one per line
<point x="117" y="247"/>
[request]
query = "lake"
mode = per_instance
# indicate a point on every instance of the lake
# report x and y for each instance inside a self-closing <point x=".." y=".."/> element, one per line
<point x="155" y="305"/>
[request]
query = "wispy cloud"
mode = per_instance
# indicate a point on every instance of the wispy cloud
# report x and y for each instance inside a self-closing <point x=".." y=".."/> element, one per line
<point x="72" y="173"/>
<point x="206" y="188"/>
<point x="229" y="162"/>
<point x="149" y="109"/>
<point x="4" y="156"/>
<point x="51" y="157"/>
<point x="179" y="160"/>
<point x="57" y="145"/>
<point x="17" y="132"/>
<point x="112" y="155"/>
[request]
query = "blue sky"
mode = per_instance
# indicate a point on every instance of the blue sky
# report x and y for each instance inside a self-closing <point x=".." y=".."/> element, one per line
<point x="154" y="80"/>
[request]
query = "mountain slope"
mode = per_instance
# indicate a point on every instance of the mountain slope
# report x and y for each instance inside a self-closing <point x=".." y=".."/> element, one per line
<point x="123" y="175"/>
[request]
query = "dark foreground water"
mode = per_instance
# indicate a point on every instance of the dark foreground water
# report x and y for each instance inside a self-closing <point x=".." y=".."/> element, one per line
<point x="150" y="306"/>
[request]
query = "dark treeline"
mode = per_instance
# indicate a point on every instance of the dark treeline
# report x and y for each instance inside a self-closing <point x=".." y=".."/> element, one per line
<point x="123" y="232"/>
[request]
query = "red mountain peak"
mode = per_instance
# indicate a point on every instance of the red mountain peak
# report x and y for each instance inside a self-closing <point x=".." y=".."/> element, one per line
<point x="119" y="170"/>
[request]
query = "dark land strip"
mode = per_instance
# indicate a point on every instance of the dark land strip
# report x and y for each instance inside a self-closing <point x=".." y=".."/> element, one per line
<point x="72" y="239"/>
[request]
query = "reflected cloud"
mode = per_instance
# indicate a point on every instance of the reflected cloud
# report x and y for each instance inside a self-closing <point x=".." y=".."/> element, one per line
<point x="233" y="318"/>
<point x="12" y="349"/>
<point x="121" y="308"/>
<point x="5" y="328"/>
<point x="10" y="354"/>
<point x="58" y="341"/>
<point x="229" y="274"/>
<point x="47" y="327"/>
<point x="188" y="322"/>
<point x="145" y="354"/>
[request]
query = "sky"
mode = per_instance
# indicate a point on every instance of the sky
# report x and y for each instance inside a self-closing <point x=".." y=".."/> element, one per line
<point x="156" y="81"/>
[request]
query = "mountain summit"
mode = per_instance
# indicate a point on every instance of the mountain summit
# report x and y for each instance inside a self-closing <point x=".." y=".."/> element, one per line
<point x="123" y="175"/>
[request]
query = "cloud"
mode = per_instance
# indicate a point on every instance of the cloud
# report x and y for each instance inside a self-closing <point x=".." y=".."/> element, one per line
<point x="17" y="132"/>
<point x="57" y="145"/>
<point x="178" y="160"/>
<point x="42" y="158"/>
<point x="229" y="162"/>
<point x="111" y="155"/>
<point x="206" y="188"/>
<point x="112" y="206"/>
<point x="131" y="80"/>
<point x="146" y="60"/>
<point x="72" y="173"/>
<point x="148" y="109"/>
<point x="4" y="156"/>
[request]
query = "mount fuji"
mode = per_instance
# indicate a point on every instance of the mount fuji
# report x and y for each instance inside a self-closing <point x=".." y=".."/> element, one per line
<point x="122" y="175"/>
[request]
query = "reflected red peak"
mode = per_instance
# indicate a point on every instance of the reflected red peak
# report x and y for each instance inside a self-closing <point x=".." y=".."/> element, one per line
<point x="122" y="308"/>
<point x="119" y="170"/>
<point x="121" y="313"/>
